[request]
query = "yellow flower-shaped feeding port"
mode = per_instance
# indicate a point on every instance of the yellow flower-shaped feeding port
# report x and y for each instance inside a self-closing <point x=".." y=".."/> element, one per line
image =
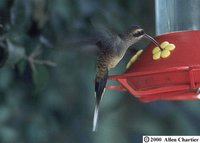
<point x="164" y="52"/>
<point x="134" y="58"/>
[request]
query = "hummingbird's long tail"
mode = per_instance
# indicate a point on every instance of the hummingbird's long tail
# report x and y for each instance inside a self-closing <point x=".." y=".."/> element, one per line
<point x="96" y="114"/>
<point x="100" y="84"/>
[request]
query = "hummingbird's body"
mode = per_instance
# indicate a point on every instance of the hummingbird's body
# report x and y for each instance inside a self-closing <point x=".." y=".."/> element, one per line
<point x="111" y="52"/>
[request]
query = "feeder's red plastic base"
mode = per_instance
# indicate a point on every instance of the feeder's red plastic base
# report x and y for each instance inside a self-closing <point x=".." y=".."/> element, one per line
<point x="176" y="77"/>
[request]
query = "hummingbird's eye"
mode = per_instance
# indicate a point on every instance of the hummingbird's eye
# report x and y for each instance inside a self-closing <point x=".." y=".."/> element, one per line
<point x="138" y="33"/>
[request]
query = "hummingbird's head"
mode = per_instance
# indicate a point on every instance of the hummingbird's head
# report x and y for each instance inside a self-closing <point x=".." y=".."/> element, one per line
<point x="135" y="34"/>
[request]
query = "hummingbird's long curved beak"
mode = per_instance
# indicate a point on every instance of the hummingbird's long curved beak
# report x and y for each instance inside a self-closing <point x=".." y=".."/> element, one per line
<point x="152" y="40"/>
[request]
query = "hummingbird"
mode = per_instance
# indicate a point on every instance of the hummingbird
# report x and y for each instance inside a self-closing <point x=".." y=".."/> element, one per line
<point x="111" y="50"/>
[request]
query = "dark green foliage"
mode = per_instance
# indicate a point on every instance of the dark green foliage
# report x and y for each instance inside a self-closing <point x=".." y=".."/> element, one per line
<point x="4" y="52"/>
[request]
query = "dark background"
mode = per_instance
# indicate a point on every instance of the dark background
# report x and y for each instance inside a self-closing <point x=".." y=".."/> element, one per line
<point x="44" y="103"/>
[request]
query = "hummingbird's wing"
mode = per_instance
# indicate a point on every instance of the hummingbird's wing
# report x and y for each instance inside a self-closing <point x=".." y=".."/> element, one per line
<point x="88" y="44"/>
<point x="105" y="36"/>
<point x="102" y="31"/>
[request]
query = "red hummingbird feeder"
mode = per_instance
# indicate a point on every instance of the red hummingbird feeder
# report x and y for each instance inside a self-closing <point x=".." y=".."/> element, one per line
<point x="176" y="77"/>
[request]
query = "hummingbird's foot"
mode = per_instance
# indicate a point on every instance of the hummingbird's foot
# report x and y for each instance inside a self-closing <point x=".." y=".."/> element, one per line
<point x="164" y="51"/>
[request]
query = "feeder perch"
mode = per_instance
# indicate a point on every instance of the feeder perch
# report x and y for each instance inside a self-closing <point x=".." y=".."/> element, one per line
<point x="175" y="77"/>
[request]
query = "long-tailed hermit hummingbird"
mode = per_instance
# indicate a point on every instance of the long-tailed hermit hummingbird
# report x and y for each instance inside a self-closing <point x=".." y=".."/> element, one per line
<point x="111" y="51"/>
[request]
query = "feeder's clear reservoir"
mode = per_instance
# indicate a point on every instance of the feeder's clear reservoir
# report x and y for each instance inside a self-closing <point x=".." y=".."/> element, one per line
<point x="177" y="15"/>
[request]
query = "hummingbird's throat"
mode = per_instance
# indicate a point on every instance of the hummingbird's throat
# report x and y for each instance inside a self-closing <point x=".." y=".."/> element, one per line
<point x="153" y="40"/>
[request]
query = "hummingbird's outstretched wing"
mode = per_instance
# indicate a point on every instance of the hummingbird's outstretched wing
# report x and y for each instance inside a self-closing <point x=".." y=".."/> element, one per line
<point x="88" y="44"/>
<point x="100" y="84"/>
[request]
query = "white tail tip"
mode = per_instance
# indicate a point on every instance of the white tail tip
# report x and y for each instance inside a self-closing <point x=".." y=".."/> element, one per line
<point x="95" y="119"/>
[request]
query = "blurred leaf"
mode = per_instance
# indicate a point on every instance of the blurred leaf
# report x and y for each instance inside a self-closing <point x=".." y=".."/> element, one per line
<point x="40" y="77"/>
<point x="5" y="114"/>
<point x="3" y="53"/>
<point x="7" y="134"/>
<point x="21" y="66"/>
<point x="39" y="13"/>
<point x="21" y="15"/>
<point x="6" y="78"/>
<point x="16" y="53"/>
<point x="2" y="3"/>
